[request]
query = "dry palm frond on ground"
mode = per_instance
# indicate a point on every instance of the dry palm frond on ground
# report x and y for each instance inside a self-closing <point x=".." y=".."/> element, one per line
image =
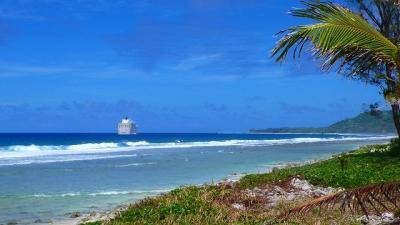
<point x="370" y="198"/>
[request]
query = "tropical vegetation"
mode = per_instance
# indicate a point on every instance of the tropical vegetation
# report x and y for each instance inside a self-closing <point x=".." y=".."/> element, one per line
<point x="366" y="122"/>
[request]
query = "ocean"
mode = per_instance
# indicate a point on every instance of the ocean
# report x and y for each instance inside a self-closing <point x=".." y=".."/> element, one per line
<point x="46" y="176"/>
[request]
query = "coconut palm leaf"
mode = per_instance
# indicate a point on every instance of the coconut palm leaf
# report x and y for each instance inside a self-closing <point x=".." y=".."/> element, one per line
<point x="370" y="198"/>
<point x="338" y="36"/>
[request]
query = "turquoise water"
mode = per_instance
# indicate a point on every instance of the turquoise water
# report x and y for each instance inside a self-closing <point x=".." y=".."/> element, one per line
<point x="45" y="176"/>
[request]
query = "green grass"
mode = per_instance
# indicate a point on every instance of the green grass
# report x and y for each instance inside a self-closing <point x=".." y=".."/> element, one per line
<point x="205" y="205"/>
<point x="186" y="205"/>
<point x="368" y="165"/>
<point x="209" y="204"/>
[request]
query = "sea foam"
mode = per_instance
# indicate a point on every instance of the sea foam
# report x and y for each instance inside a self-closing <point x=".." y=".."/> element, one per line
<point x="91" y="194"/>
<point x="90" y="151"/>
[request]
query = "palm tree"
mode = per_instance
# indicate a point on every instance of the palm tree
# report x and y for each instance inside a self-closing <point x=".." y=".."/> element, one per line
<point x="345" y="41"/>
<point x="384" y="15"/>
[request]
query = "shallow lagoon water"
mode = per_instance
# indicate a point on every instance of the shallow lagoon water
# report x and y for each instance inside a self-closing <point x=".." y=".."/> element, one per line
<point x="45" y="176"/>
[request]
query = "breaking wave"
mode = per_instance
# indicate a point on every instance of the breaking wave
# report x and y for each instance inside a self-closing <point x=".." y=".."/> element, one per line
<point x="54" y="159"/>
<point x="92" y="194"/>
<point x="91" y="151"/>
<point x="135" y="164"/>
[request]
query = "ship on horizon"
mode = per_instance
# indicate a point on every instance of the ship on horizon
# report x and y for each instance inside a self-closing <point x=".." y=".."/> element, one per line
<point x="126" y="127"/>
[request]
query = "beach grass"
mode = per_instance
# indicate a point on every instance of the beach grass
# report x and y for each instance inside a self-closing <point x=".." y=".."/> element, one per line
<point x="210" y="204"/>
<point x="186" y="205"/>
<point x="371" y="164"/>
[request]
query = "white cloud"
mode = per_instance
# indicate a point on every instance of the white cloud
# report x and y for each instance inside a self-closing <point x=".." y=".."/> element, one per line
<point x="196" y="61"/>
<point x="99" y="69"/>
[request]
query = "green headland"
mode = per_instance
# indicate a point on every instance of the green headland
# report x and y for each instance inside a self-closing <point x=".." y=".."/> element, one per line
<point x="366" y="122"/>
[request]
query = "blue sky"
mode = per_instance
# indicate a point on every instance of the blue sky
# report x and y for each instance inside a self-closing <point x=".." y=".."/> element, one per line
<point x="174" y="66"/>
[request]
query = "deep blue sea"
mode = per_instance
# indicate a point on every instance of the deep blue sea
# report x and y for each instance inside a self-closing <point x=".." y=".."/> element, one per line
<point x="45" y="176"/>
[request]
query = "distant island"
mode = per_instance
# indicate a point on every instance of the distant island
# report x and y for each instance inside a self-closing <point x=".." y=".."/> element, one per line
<point x="372" y="122"/>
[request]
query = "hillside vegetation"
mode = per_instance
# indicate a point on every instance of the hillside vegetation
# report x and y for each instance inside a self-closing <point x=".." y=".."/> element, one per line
<point x="365" y="122"/>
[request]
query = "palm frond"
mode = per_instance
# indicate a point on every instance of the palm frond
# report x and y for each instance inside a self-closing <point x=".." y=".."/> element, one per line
<point x="337" y="35"/>
<point x="370" y="198"/>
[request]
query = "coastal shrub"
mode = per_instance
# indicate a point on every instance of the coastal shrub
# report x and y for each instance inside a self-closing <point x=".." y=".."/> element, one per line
<point x="394" y="147"/>
<point x="344" y="161"/>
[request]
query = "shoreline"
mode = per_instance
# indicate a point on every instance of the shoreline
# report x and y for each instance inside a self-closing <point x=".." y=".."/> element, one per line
<point x="104" y="215"/>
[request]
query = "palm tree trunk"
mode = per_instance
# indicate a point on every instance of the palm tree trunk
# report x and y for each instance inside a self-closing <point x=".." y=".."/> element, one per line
<point x="396" y="118"/>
